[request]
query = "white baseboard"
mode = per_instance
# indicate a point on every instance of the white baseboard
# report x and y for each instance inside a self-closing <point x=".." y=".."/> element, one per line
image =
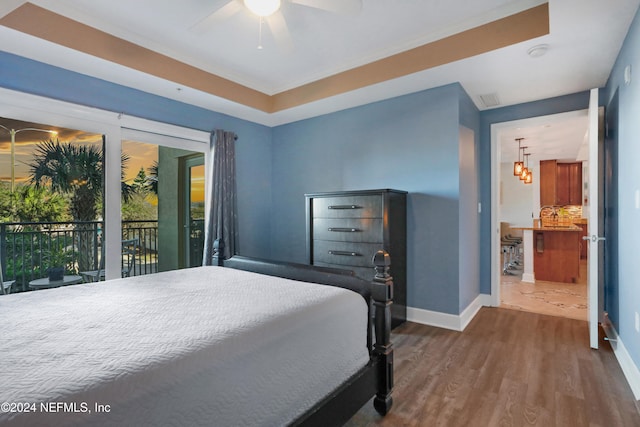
<point x="449" y="321"/>
<point x="629" y="368"/>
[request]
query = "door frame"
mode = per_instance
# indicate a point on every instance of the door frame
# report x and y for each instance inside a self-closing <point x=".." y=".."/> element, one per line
<point x="189" y="163"/>
<point x="496" y="130"/>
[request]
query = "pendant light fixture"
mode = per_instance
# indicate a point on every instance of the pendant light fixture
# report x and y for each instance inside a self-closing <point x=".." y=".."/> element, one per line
<point x="529" y="178"/>
<point x="525" y="169"/>
<point x="518" y="166"/>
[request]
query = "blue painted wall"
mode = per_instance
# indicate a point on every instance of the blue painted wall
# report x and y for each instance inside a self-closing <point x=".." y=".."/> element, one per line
<point x="253" y="147"/>
<point x="469" y="223"/>
<point x="627" y="287"/>
<point x="408" y="143"/>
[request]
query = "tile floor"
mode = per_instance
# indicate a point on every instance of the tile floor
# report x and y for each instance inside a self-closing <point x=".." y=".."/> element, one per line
<point x="552" y="298"/>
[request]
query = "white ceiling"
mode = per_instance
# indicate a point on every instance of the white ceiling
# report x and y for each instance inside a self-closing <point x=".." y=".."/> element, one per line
<point x="584" y="40"/>
<point x="562" y="137"/>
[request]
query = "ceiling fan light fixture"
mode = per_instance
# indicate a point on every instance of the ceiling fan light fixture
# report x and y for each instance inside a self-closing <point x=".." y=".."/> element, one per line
<point x="262" y="7"/>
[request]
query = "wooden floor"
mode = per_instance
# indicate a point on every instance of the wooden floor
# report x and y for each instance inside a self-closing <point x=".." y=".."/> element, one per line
<point x="508" y="368"/>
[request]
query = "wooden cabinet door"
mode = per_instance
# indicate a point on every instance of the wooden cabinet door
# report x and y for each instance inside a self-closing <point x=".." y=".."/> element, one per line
<point x="548" y="172"/>
<point x="563" y="184"/>
<point x="575" y="183"/>
<point x="560" y="183"/>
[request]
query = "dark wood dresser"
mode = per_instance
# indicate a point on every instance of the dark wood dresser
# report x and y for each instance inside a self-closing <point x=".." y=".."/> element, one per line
<point x="345" y="229"/>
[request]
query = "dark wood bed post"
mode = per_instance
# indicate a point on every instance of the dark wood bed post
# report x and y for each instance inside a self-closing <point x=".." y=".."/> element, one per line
<point x="382" y="294"/>
<point x="218" y="253"/>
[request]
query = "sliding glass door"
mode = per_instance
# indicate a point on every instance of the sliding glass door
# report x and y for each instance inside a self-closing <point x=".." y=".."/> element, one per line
<point x="135" y="191"/>
<point x="163" y="212"/>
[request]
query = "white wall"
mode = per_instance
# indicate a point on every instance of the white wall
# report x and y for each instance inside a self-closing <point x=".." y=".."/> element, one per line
<point x="517" y="201"/>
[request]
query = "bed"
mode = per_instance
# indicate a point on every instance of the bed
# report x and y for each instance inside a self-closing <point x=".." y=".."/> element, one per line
<point x="246" y="342"/>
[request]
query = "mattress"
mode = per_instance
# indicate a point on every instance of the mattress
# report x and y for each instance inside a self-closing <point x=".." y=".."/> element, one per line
<point x="205" y="346"/>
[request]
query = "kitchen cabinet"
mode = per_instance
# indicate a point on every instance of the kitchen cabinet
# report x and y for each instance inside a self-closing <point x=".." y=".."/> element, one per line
<point x="569" y="184"/>
<point x="584" y="246"/>
<point x="556" y="254"/>
<point x="560" y="183"/>
<point x="548" y="178"/>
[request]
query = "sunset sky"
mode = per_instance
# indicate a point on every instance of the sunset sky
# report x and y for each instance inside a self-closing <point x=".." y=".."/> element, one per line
<point x="141" y="155"/>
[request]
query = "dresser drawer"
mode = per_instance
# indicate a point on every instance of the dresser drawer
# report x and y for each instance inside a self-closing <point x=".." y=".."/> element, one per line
<point x="348" y="207"/>
<point x="344" y="253"/>
<point x="348" y="229"/>
<point x="365" y="273"/>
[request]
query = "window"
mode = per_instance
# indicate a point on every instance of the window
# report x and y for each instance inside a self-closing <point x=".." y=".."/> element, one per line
<point x="114" y="135"/>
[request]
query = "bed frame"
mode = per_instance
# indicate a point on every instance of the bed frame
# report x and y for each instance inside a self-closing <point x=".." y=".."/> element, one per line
<point x="374" y="380"/>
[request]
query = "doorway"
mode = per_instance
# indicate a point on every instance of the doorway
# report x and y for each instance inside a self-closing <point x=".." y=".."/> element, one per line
<point x="563" y="138"/>
<point x="174" y="170"/>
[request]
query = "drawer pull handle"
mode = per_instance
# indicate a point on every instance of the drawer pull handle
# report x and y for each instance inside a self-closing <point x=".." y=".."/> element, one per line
<point x="345" y="207"/>
<point x="344" y="253"/>
<point x="344" y="230"/>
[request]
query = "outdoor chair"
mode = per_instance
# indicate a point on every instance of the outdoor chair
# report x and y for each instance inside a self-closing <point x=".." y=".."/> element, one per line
<point x="129" y="250"/>
<point x="6" y="285"/>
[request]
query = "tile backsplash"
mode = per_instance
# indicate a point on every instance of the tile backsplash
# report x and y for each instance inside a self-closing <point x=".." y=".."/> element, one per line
<point x="564" y="214"/>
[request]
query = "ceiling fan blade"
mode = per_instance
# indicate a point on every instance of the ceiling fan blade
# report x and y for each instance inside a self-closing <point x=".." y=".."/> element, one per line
<point x="225" y="12"/>
<point x="280" y="31"/>
<point x="342" y="7"/>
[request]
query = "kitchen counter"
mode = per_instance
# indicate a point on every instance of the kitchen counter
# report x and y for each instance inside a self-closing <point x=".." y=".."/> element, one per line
<point x="551" y="253"/>
<point x="553" y="228"/>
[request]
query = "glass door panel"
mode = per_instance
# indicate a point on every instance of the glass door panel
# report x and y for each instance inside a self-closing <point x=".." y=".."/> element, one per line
<point x="51" y="202"/>
<point x="162" y="194"/>
<point x="194" y="215"/>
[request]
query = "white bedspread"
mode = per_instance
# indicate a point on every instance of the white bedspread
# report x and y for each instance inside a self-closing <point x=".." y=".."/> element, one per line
<point x="205" y="346"/>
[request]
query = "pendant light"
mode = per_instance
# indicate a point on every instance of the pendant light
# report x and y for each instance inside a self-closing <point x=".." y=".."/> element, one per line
<point x="529" y="178"/>
<point x="525" y="170"/>
<point x="518" y="166"/>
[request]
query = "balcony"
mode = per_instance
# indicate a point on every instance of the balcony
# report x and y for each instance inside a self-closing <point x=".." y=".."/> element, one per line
<point x="28" y="248"/>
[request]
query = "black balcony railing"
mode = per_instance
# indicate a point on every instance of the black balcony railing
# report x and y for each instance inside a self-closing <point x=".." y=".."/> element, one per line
<point x="29" y="249"/>
<point x="146" y="233"/>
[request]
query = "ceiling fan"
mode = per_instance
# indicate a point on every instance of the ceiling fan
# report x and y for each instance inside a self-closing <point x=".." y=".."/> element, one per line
<point x="269" y="11"/>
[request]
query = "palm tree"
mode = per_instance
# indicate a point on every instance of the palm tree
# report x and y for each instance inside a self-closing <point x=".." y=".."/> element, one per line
<point x="76" y="170"/>
<point x="152" y="178"/>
